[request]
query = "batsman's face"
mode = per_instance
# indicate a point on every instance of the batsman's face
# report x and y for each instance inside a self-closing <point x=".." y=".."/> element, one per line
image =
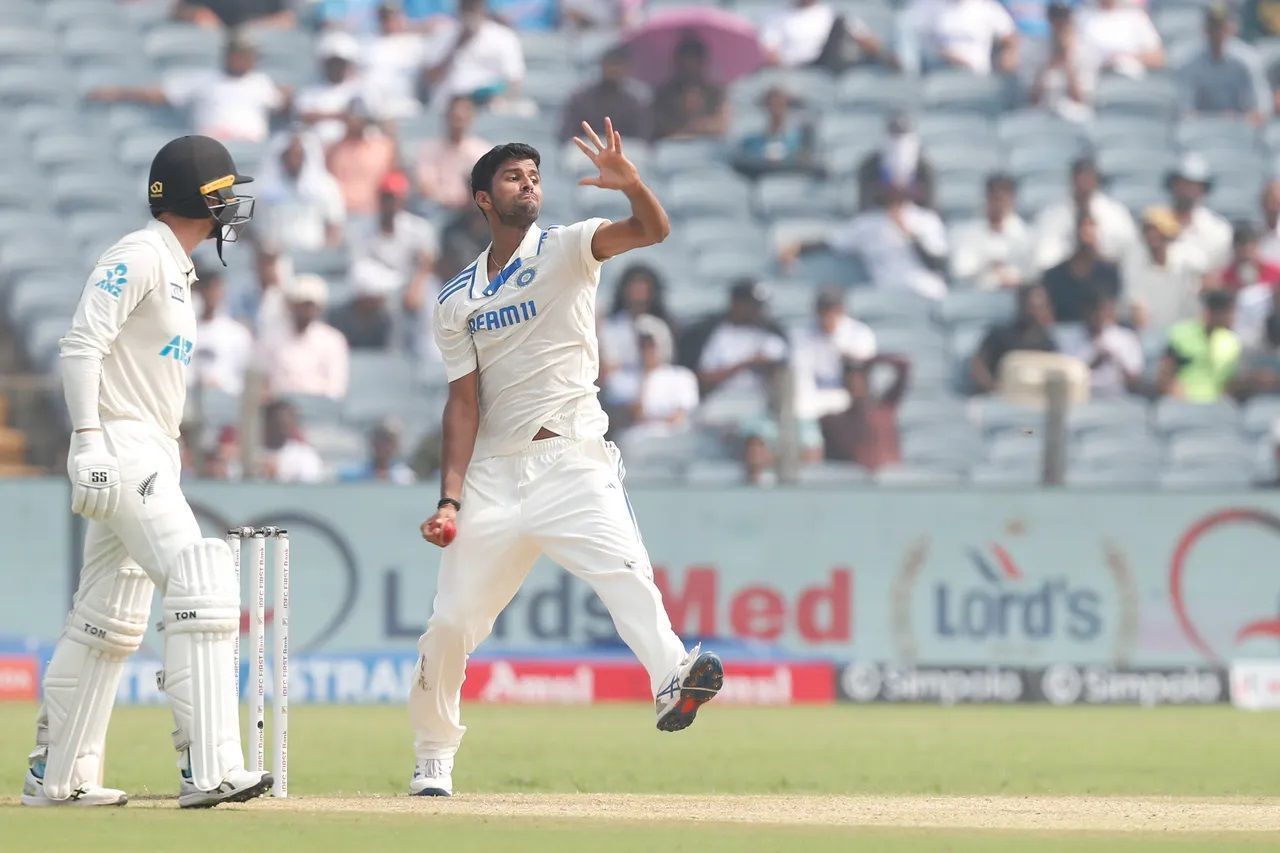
<point x="517" y="193"/>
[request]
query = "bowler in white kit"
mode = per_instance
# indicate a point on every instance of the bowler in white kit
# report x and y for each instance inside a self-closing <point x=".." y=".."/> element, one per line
<point x="124" y="364"/>
<point x="525" y="467"/>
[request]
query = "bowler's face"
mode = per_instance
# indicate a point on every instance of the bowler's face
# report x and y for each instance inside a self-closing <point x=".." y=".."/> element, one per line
<point x="517" y="192"/>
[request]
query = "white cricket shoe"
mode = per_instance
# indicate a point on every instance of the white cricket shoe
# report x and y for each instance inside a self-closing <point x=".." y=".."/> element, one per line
<point x="695" y="681"/>
<point x="86" y="795"/>
<point x="432" y="777"/>
<point x="239" y="786"/>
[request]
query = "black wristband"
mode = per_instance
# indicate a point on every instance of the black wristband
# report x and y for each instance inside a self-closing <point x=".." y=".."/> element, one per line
<point x="444" y="502"/>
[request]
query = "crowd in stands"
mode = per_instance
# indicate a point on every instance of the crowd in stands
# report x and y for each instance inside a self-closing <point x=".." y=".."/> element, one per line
<point x="364" y="162"/>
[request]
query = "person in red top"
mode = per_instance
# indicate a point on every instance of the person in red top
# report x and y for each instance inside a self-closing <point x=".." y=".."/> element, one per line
<point x="1248" y="266"/>
<point x="866" y="433"/>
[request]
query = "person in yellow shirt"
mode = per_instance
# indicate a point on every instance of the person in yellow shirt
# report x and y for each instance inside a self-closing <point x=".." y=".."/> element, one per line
<point x="1202" y="355"/>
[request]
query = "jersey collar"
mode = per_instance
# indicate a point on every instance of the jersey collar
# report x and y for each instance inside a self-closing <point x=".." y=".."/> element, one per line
<point x="175" y="248"/>
<point x="528" y="246"/>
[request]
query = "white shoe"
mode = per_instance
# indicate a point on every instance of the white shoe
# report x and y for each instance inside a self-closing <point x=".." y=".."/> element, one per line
<point x="239" y="786"/>
<point x="695" y="681"/>
<point x="432" y="777"/>
<point x="86" y="795"/>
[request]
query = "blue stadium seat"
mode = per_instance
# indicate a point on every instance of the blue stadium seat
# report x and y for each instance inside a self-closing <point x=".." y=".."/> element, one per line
<point x="937" y="413"/>
<point x="1261" y="415"/>
<point x="1202" y="449"/>
<point x="961" y="90"/>
<point x="831" y="474"/>
<point x="923" y="474"/>
<point x="1020" y="127"/>
<point x="1138" y="192"/>
<point x="1120" y="473"/>
<point x="954" y="445"/>
<point x="1015" y="447"/>
<point x="814" y="86"/>
<point x="1177" y="416"/>
<point x="989" y="307"/>
<point x="875" y="305"/>
<point x="1198" y="131"/>
<point x="99" y="14"/>
<point x="1006" y="475"/>
<point x="55" y="151"/>
<point x="1136" y="131"/>
<point x="687" y="155"/>
<point x="22" y="86"/>
<point x="18" y="43"/>
<point x="1154" y="95"/>
<point x="964" y="156"/>
<point x="183" y="45"/>
<point x="721" y="472"/>
<point x="876" y="92"/>
<point x="1109" y="450"/>
<point x="725" y="266"/>
<point x="40" y="341"/>
<point x="994" y="416"/>
<point x="721" y="194"/>
<point x="212" y="408"/>
<point x="1108" y="417"/>
<point x="1212" y="478"/>
<point x="780" y="196"/>
<point x="1138" y="162"/>
<point x="858" y="129"/>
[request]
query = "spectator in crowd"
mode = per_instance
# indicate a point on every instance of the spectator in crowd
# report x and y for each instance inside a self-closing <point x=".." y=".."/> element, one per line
<point x="821" y="352"/>
<point x="995" y="251"/>
<point x="1260" y="368"/>
<point x="785" y="144"/>
<point x="1203" y="354"/>
<point x="444" y="165"/>
<point x="310" y="357"/>
<point x="287" y="457"/>
<point x="301" y="203"/>
<point x="902" y="244"/>
<point x="235" y="13"/>
<point x="266" y="310"/>
<point x="745" y="347"/>
<point x="365" y="321"/>
<point x="1120" y="38"/>
<point x="324" y="106"/>
<point x="385" y="464"/>
<point x="226" y="345"/>
<point x="404" y="243"/>
<point x="359" y="161"/>
<point x="977" y="36"/>
<point x="392" y="64"/>
<point x="1269" y="246"/>
<point x="1260" y="19"/>
<point x="1188" y="184"/>
<point x="639" y="293"/>
<point x="1113" y="353"/>
<point x="1224" y="79"/>
<point x="757" y="460"/>
<point x="1247" y="266"/>
<point x="866" y="433"/>
<point x="1055" y="226"/>
<point x="1031" y="329"/>
<point x="664" y="395"/>
<point x="467" y="230"/>
<point x="473" y="55"/>
<point x="233" y="104"/>
<point x="223" y="460"/>
<point x="616" y="95"/>
<point x="1073" y="283"/>
<point x="1065" y="82"/>
<point x="898" y="162"/>
<point x="689" y="104"/>
<point x="1163" y="275"/>
<point x="810" y="32"/>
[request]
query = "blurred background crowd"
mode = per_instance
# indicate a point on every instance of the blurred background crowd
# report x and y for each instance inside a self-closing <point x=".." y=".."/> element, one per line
<point x="891" y="222"/>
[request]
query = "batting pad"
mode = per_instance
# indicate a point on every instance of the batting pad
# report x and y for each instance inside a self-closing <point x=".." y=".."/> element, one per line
<point x="201" y="620"/>
<point x="106" y="625"/>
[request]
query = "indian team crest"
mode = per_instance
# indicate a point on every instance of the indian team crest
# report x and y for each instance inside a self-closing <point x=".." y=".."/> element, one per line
<point x="526" y="278"/>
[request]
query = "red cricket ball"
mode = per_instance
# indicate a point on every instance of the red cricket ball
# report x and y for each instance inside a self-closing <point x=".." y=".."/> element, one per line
<point x="448" y="530"/>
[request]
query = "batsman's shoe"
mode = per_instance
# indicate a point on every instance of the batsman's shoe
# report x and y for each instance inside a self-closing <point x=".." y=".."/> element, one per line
<point x="432" y="777"/>
<point x="694" y="682"/>
<point x="239" y="786"/>
<point x="86" y="795"/>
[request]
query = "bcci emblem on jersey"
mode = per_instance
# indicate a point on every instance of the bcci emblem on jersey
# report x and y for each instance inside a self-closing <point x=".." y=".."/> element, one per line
<point x="526" y="278"/>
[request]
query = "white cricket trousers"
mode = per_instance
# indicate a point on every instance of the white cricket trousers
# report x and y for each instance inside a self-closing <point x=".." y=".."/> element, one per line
<point x="561" y="497"/>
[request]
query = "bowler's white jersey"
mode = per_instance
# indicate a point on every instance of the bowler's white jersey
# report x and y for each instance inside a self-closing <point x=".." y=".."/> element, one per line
<point x="136" y="315"/>
<point x="531" y="332"/>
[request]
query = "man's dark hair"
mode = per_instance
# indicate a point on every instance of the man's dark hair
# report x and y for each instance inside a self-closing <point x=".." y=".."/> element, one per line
<point x="692" y="46"/>
<point x="1001" y="180"/>
<point x="1218" y="300"/>
<point x="1244" y="233"/>
<point x="1083" y="163"/>
<point x="487" y="166"/>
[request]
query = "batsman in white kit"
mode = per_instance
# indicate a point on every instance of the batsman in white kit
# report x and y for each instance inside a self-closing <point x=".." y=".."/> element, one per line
<point x="124" y="365"/>
<point x="525" y="468"/>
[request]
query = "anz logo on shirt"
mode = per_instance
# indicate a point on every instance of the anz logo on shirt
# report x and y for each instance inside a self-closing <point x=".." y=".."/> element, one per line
<point x="114" y="280"/>
<point x="179" y="349"/>
<point x="508" y="315"/>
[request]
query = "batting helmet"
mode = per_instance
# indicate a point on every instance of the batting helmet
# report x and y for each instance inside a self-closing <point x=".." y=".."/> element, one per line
<point x="195" y="177"/>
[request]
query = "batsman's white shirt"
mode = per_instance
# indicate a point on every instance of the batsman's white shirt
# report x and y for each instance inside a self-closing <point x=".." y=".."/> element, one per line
<point x="135" y="313"/>
<point x="531" y="332"/>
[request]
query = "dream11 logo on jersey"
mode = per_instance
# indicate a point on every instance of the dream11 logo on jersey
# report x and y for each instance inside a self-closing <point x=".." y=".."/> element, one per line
<point x="1221" y="578"/>
<point x="991" y="601"/>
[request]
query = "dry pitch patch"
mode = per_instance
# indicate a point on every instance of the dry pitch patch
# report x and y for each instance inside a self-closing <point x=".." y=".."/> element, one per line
<point x="1080" y="813"/>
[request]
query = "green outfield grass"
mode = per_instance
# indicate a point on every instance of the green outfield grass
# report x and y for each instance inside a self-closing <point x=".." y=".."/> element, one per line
<point x="355" y="752"/>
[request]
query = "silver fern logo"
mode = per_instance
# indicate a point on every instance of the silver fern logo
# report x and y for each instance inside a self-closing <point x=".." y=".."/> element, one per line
<point x="147" y="487"/>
